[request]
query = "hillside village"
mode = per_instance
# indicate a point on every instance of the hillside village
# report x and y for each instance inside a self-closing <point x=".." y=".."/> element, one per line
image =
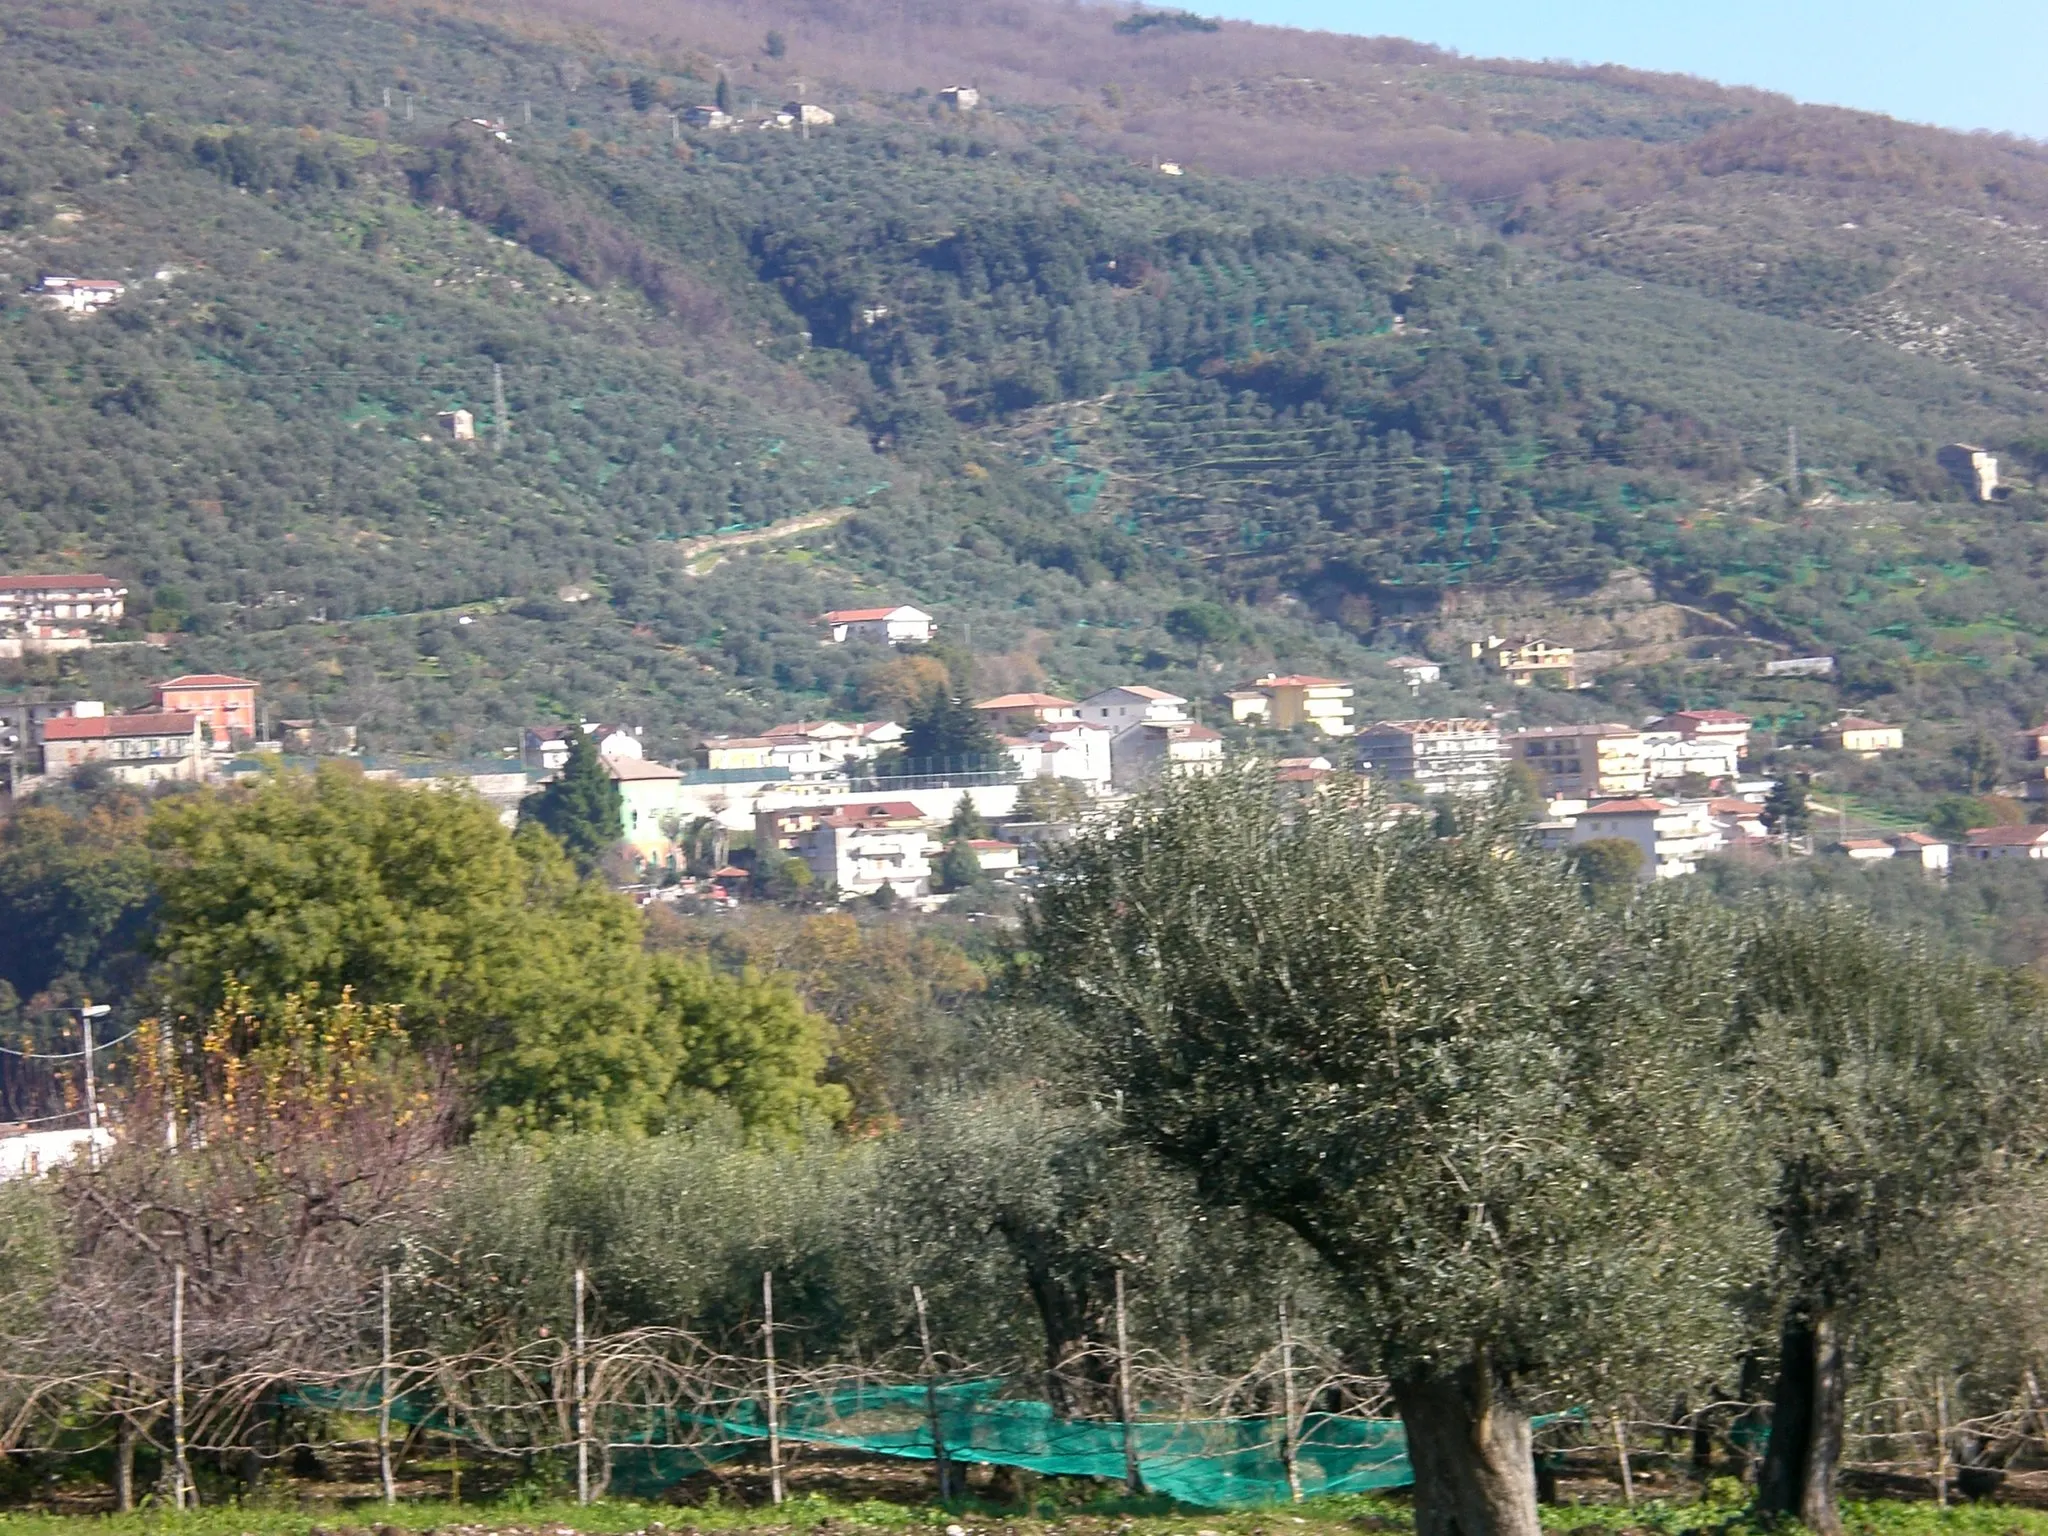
<point x="846" y="800"/>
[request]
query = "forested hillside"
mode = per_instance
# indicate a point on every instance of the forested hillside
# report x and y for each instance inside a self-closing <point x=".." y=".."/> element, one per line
<point x="1326" y="378"/>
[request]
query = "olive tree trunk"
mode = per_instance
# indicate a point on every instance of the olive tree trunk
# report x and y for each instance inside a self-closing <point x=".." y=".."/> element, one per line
<point x="1807" y="1417"/>
<point x="1468" y="1441"/>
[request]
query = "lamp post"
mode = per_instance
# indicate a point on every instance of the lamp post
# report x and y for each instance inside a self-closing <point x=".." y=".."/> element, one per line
<point x="87" y="1012"/>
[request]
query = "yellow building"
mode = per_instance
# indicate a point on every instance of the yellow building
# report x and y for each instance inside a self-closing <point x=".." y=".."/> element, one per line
<point x="1296" y="700"/>
<point x="1523" y="660"/>
<point x="1865" y="738"/>
<point x="726" y="752"/>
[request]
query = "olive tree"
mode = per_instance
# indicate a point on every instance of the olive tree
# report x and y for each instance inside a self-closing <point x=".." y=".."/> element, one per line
<point x="1886" y="1081"/>
<point x="1495" y="1113"/>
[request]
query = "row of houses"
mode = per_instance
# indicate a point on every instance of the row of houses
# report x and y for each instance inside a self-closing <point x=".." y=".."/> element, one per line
<point x="43" y="614"/>
<point x="189" y="721"/>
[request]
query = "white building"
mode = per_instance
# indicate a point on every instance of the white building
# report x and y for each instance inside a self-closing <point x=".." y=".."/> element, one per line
<point x="1416" y="670"/>
<point x="79" y="295"/>
<point x="896" y="626"/>
<point x="1157" y="749"/>
<point x="1078" y="750"/>
<point x="858" y="847"/>
<point x="1023" y="711"/>
<point x="1670" y="756"/>
<point x="30" y="1154"/>
<point x="1454" y="756"/>
<point x="1122" y="709"/>
<point x="61" y="602"/>
<point x="1673" y="835"/>
<point x="546" y="747"/>
<point x="961" y="98"/>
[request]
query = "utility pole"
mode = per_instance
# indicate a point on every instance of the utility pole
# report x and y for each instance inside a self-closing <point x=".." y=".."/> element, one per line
<point x="1792" y="466"/>
<point x="86" y="1015"/>
<point x="181" y="1476"/>
<point x="498" y="420"/>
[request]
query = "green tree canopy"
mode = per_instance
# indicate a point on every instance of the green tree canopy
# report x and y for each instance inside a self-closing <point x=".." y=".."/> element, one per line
<point x="581" y="807"/>
<point x="1491" y="1109"/>
<point x="945" y="735"/>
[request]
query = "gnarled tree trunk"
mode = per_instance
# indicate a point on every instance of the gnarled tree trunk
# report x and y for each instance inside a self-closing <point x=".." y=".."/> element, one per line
<point x="1468" y="1441"/>
<point x="1807" y="1417"/>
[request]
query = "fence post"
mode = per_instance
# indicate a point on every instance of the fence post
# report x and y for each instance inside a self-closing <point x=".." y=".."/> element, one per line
<point x="1287" y="1410"/>
<point x="384" y="1470"/>
<point x="1941" y="1440"/>
<point x="768" y="1348"/>
<point x="582" y="1403"/>
<point x="940" y="1463"/>
<point x="1628" y="1482"/>
<point x="1134" y="1482"/>
<point x="181" y="1476"/>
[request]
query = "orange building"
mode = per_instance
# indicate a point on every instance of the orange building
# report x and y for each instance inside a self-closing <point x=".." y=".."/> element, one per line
<point x="225" y="705"/>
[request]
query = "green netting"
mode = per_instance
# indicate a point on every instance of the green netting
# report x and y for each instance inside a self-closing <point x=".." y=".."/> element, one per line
<point x="1211" y="1463"/>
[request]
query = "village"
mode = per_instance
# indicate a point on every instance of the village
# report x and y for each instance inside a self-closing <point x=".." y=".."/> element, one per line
<point x="842" y="799"/>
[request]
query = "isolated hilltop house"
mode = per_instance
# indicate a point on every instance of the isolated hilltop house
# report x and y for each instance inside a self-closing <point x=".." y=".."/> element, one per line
<point x="896" y="625"/>
<point x="1971" y="467"/>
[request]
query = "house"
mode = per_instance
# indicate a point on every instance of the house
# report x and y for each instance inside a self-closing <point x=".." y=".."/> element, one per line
<point x="997" y="857"/>
<point x="1801" y="666"/>
<point x="1156" y="749"/>
<point x="807" y="115"/>
<point x="895" y="626"/>
<point x="1972" y="468"/>
<point x="1740" y="821"/>
<point x="961" y="98"/>
<point x="1453" y="756"/>
<point x="1582" y="762"/>
<point x="78" y="295"/>
<point x="1022" y="711"/>
<point x="650" y="806"/>
<point x="1708" y="725"/>
<point x="145" y="748"/>
<point x="457" y="424"/>
<point x="225" y="705"/>
<point x="62" y="602"/>
<point x="1673" y="836"/>
<point x="1247" y="704"/>
<point x="1865" y="738"/>
<point x="27" y="1154"/>
<point x="813" y="749"/>
<point x="725" y="754"/>
<point x="878" y="736"/>
<point x="1416" y="670"/>
<point x="1078" y="750"/>
<point x="857" y="847"/>
<point x="1297" y="700"/>
<point x="1526" y="659"/>
<point x="707" y="117"/>
<point x="498" y="784"/>
<point x="1865" y="850"/>
<point x="1709" y="743"/>
<point x="2028" y="842"/>
<point x="545" y="748"/>
<point x="1133" y="704"/>
<point x="1931" y="852"/>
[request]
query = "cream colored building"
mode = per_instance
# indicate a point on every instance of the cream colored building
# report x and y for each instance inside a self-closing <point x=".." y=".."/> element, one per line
<point x="1582" y="762"/>
<point x="1865" y="738"/>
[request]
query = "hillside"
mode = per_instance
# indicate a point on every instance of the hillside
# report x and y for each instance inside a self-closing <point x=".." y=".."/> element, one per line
<point x="1384" y="365"/>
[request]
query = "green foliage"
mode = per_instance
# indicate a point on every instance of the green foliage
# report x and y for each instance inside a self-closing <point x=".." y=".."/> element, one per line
<point x="1203" y="624"/>
<point x="581" y="806"/>
<point x="968" y="823"/>
<point x="1251" y="979"/>
<point x="74" y="891"/>
<point x="959" y="868"/>
<point x="746" y="1045"/>
<point x="487" y="944"/>
<point x="1141" y="21"/>
<point x="1608" y="867"/>
<point x="1785" y="811"/>
<point x="945" y="735"/>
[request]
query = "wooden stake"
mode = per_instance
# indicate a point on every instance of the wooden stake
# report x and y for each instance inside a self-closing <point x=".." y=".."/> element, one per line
<point x="1287" y="1446"/>
<point x="1628" y="1482"/>
<point x="1134" y="1482"/>
<point x="768" y="1349"/>
<point x="384" y="1471"/>
<point x="582" y="1404"/>
<point x="1941" y="1440"/>
<point x="181" y="1474"/>
<point x="940" y="1461"/>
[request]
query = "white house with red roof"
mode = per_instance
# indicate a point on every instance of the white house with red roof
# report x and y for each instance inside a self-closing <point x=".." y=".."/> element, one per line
<point x="1078" y="750"/>
<point x="61" y="602"/>
<point x="2030" y="842"/>
<point x="857" y="846"/>
<point x="78" y="295"/>
<point x="1673" y="835"/>
<point x="894" y="626"/>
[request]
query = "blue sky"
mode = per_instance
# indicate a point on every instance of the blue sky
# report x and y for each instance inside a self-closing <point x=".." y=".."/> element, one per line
<point x="1962" y="64"/>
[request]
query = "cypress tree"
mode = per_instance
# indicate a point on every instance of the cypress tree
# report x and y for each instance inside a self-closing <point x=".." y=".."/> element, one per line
<point x="581" y="807"/>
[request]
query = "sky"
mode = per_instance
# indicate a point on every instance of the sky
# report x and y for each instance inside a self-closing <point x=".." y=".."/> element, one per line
<point x="1962" y="64"/>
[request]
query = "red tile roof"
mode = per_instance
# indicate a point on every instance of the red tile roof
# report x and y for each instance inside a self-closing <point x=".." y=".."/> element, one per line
<point x="1299" y="680"/>
<point x="1627" y="808"/>
<point x="860" y="615"/>
<point x="1026" y="701"/>
<point x="105" y="727"/>
<point x="85" y="582"/>
<point x="2006" y="837"/>
<point x="209" y="680"/>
